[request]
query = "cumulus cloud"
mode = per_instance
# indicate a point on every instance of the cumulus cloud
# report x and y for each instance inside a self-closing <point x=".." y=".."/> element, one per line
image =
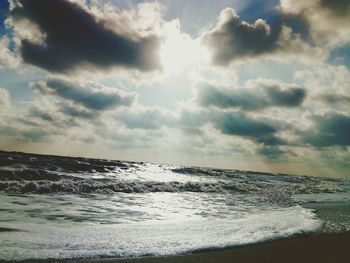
<point x="91" y="95"/>
<point x="328" y="20"/>
<point x="331" y="129"/>
<point x="257" y="94"/>
<point x="232" y="39"/>
<point x="8" y="59"/>
<point x="61" y="36"/>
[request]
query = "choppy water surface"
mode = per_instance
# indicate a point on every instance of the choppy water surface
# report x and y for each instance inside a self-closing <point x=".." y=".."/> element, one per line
<point x="60" y="207"/>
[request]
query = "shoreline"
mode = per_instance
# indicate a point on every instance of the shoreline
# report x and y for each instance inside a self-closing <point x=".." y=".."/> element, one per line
<point x="320" y="248"/>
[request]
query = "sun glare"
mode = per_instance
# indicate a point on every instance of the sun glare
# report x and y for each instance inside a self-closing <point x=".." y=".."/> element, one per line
<point x="177" y="53"/>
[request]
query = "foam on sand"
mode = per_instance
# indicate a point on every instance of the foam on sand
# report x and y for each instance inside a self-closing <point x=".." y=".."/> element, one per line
<point x="167" y="238"/>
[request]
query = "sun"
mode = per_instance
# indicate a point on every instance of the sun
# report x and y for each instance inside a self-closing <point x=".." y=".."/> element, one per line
<point x="177" y="53"/>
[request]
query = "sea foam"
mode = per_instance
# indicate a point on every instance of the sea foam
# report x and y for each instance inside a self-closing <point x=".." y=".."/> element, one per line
<point x="64" y="207"/>
<point x="166" y="238"/>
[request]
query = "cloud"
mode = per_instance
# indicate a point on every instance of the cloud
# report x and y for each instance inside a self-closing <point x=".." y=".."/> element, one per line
<point x="234" y="39"/>
<point x="340" y="7"/>
<point x="233" y="123"/>
<point x="192" y="120"/>
<point x="46" y="121"/>
<point x="271" y="152"/>
<point x="258" y="94"/>
<point x="299" y="24"/>
<point x="78" y="112"/>
<point x="45" y="113"/>
<point x="335" y="98"/>
<point x="91" y="95"/>
<point x="56" y="115"/>
<point x="7" y="58"/>
<point x="331" y="129"/>
<point x="35" y="135"/>
<point x="146" y="118"/>
<point x="61" y="36"/>
<point x="4" y="98"/>
<point x="239" y="124"/>
<point x="325" y="79"/>
<point x="328" y="20"/>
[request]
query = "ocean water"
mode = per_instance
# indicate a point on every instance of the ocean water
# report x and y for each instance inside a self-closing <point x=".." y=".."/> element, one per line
<point x="61" y="207"/>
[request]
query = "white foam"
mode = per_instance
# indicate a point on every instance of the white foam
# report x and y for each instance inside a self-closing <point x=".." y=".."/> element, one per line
<point x="125" y="240"/>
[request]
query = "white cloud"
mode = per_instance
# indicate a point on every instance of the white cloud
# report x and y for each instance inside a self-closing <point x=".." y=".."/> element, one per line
<point x="325" y="78"/>
<point x="8" y="58"/>
<point x="4" y="98"/>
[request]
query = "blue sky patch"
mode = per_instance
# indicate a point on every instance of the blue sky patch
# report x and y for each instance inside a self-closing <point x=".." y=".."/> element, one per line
<point x="340" y="56"/>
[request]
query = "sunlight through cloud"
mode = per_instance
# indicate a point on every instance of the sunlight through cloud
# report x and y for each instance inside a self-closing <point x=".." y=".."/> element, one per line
<point x="178" y="51"/>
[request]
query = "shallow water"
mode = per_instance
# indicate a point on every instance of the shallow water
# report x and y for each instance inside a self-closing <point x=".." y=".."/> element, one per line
<point x="60" y="207"/>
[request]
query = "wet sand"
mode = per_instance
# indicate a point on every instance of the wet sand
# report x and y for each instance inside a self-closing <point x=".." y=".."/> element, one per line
<point x="325" y="248"/>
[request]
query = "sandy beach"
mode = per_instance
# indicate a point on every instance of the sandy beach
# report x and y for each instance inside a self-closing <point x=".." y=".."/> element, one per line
<point x="325" y="248"/>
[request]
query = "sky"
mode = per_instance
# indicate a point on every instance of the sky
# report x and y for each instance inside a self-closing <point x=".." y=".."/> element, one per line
<point x="250" y="85"/>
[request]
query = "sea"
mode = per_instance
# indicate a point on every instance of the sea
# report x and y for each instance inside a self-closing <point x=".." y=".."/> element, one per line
<point x="55" y="207"/>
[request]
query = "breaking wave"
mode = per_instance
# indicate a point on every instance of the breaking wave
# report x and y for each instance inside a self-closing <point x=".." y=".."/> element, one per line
<point x="42" y="182"/>
<point x="153" y="209"/>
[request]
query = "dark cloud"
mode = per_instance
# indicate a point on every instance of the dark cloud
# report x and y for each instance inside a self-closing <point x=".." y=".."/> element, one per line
<point x="326" y="20"/>
<point x="262" y="95"/>
<point x="299" y="24"/>
<point x="239" y="124"/>
<point x="329" y="130"/>
<point x="233" y="38"/>
<point x="291" y="97"/>
<point x="74" y="37"/>
<point x="87" y="95"/>
<point x="335" y="98"/>
<point x="271" y="152"/>
<point x="340" y="7"/>
<point x="263" y="131"/>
